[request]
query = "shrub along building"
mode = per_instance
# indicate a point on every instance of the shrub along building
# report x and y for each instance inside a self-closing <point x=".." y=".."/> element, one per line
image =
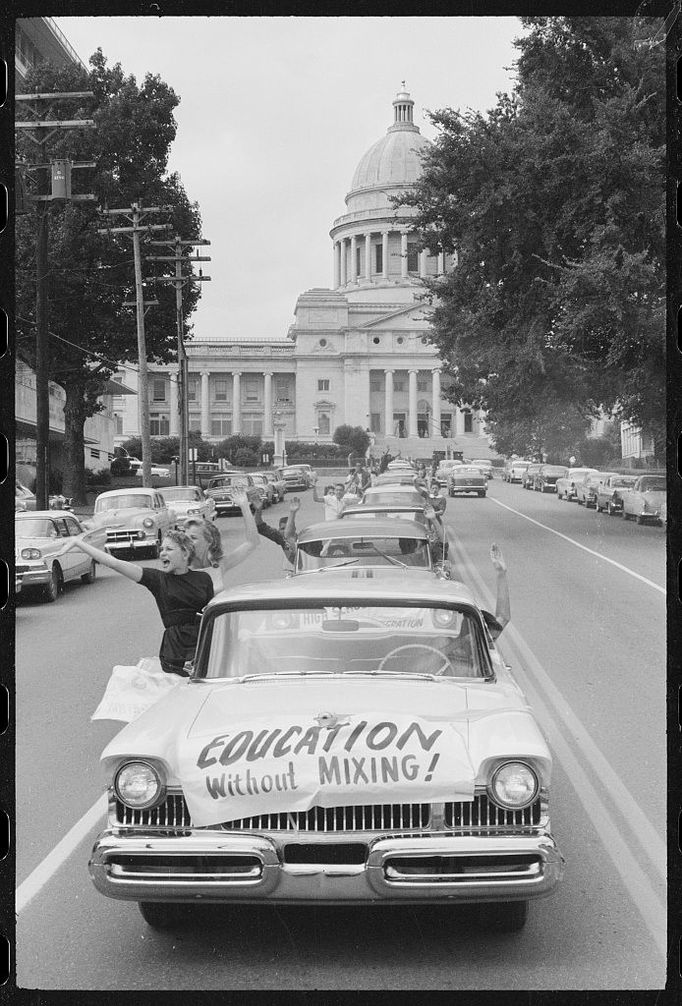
<point x="358" y="353"/>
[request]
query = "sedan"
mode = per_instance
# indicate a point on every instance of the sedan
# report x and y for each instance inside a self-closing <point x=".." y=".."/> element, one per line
<point x="467" y="479"/>
<point x="378" y="542"/>
<point x="189" y="502"/>
<point x="528" y="477"/>
<point x="567" y="485"/>
<point x="295" y="478"/>
<point x="278" y="484"/>
<point x="266" y="489"/>
<point x="514" y="469"/>
<point x="39" y="565"/>
<point x="485" y="466"/>
<point x="646" y="501"/>
<point x="546" y="479"/>
<point x="342" y="740"/>
<point x="220" y="491"/>
<point x="135" y="520"/>
<point x="589" y="487"/>
<point x="612" y="491"/>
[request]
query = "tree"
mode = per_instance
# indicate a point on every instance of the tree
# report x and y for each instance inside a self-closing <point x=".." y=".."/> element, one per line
<point x="353" y="439"/>
<point x="90" y="275"/>
<point x="554" y="204"/>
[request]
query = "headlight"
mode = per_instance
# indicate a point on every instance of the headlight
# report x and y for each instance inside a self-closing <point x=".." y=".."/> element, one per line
<point x="31" y="553"/>
<point x="137" y="784"/>
<point x="514" y="785"/>
<point x="148" y="522"/>
<point x="193" y="511"/>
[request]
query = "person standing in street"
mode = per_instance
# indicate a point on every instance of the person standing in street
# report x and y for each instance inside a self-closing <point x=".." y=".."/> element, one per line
<point x="285" y="535"/>
<point x="332" y="499"/>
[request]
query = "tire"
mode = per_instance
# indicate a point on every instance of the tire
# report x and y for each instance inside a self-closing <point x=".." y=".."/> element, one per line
<point x="502" y="916"/>
<point x="161" y="914"/>
<point x="482" y="494"/>
<point x="89" y="577"/>
<point x="639" y="519"/>
<point x="50" y="591"/>
<point x="626" y="516"/>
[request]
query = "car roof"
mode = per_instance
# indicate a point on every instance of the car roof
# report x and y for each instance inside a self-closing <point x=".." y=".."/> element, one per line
<point x="356" y="584"/>
<point x="372" y="528"/>
<point x="40" y="514"/>
<point x="132" y="491"/>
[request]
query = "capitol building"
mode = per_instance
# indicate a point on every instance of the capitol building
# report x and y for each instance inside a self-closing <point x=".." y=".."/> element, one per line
<point x="358" y="353"/>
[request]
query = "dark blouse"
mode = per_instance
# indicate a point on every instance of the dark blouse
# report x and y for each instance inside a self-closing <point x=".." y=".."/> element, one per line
<point x="180" y="598"/>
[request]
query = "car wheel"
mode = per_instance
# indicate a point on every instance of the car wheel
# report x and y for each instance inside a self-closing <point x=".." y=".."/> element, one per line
<point x="51" y="590"/>
<point x="502" y="916"/>
<point x="481" y="494"/>
<point x="626" y="515"/>
<point x="89" y="577"/>
<point x="639" y="519"/>
<point x="162" y="914"/>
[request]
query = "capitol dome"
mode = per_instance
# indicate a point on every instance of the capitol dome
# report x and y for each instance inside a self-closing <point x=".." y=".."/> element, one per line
<point x="394" y="159"/>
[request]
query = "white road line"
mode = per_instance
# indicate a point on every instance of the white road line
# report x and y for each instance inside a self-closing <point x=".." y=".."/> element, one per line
<point x="651" y="907"/>
<point x="577" y="544"/>
<point x="36" y="880"/>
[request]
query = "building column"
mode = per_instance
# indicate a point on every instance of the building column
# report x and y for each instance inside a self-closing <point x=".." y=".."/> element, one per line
<point x="388" y="403"/>
<point x="353" y="260"/>
<point x="173" y="427"/>
<point x="384" y="254"/>
<point x="337" y="264"/>
<point x="368" y="257"/>
<point x="342" y="247"/>
<point x="267" y="404"/>
<point x="205" y="421"/>
<point x="435" y="404"/>
<point x="403" y="255"/>
<point x="412" y="404"/>
<point x="423" y="255"/>
<point x="441" y="263"/>
<point x="236" y="401"/>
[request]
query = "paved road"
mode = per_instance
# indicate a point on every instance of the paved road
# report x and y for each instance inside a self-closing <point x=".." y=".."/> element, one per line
<point x="586" y="643"/>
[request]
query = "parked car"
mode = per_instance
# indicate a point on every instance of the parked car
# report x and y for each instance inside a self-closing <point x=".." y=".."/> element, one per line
<point x="444" y="470"/>
<point x="467" y="479"/>
<point x="295" y="478"/>
<point x="39" y="565"/>
<point x="370" y="542"/>
<point x="266" y="489"/>
<point x="646" y="501"/>
<point x="545" y="479"/>
<point x="135" y="520"/>
<point x="354" y="740"/>
<point x="161" y="471"/>
<point x="278" y="483"/>
<point x="24" y="499"/>
<point x="589" y="488"/>
<point x="513" y="469"/>
<point x="528" y="477"/>
<point x="611" y="492"/>
<point x="307" y="471"/>
<point x="485" y="466"/>
<point x="220" y="491"/>
<point x="566" y="485"/>
<point x="187" y="502"/>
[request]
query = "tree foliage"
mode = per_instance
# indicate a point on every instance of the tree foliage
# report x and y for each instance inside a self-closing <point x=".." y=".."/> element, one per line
<point x="354" y="439"/>
<point x="553" y="202"/>
<point x="91" y="275"/>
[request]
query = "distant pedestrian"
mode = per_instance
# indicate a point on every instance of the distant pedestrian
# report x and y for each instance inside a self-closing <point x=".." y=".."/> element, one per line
<point x="332" y="499"/>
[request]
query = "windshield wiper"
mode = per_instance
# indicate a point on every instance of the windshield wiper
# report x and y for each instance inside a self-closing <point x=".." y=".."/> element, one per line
<point x="397" y="674"/>
<point x="334" y="565"/>
<point x="391" y="558"/>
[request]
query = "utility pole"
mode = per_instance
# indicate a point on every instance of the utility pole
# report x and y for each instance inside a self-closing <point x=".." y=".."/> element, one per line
<point x="136" y="214"/>
<point x="179" y="281"/>
<point x="40" y="128"/>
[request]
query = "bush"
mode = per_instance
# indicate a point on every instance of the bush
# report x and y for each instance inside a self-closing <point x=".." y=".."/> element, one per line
<point x="100" y="478"/>
<point x="353" y="439"/>
<point x="246" y="458"/>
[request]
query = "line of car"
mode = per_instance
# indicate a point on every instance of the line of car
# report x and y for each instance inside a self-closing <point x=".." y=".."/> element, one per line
<point x="349" y="734"/>
<point x="640" y="497"/>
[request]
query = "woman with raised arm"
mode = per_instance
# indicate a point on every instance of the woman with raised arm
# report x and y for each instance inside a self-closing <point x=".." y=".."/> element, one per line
<point x="208" y="548"/>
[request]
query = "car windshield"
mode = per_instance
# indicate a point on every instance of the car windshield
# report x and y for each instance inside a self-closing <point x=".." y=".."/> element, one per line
<point x="129" y="502"/>
<point x="652" y="484"/>
<point x="35" y="527"/>
<point x="362" y="551"/>
<point x="226" y="480"/>
<point x="293" y="471"/>
<point x="363" y="639"/>
<point x="175" y="494"/>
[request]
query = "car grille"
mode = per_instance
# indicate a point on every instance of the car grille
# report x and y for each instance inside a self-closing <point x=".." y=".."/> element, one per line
<point x="478" y="817"/>
<point x="122" y="535"/>
<point x="21" y="569"/>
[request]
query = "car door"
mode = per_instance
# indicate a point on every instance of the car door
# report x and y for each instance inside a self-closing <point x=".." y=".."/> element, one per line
<point x="75" y="562"/>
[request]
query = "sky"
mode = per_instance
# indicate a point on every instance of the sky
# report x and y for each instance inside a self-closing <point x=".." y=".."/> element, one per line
<point x="274" y="116"/>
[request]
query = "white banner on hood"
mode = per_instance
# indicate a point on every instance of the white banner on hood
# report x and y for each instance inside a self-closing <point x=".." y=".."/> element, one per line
<point x="284" y="764"/>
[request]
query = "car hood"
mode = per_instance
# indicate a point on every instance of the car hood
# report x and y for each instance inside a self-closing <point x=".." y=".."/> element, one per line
<point x="43" y="544"/>
<point x="120" y="518"/>
<point x="348" y="741"/>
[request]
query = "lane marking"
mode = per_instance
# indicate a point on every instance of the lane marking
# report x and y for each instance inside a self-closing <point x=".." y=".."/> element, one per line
<point x="652" y="844"/>
<point x="36" y="880"/>
<point x="651" y="907"/>
<point x="577" y="544"/>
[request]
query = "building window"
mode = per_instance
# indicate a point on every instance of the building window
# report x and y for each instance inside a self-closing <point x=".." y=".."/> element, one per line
<point x="375" y="384"/>
<point x="324" y="424"/>
<point x="252" y="427"/>
<point x="192" y="382"/>
<point x="446" y="425"/>
<point x="118" y="420"/>
<point x="323" y="385"/>
<point x="398" y="384"/>
<point x="159" y="426"/>
<point x="358" y="261"/>
<point x="423" y="383"/>
<point x="159" y="386"/>
<point x="375" y="422"/>
<point x="379" y="258"/>
<point x="220" y="427"/>
<point x="252" y="391"/>
<point x="468" y="422"/>
<point x="220" y="391"/>
<point x="412" y="257"/>
<point x="195" y="424"/>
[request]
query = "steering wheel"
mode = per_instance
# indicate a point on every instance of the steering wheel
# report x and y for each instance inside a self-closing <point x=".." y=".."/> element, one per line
<point x="419" y="646"/>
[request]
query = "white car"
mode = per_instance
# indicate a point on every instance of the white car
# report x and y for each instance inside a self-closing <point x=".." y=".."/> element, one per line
<point x="189" y="501"/>
<point x="158" y="470"/>
<point x="40" y="566"/>
<point x="135" y="519"/>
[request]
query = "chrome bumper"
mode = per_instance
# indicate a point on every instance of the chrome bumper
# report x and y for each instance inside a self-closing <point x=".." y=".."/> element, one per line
<point x="218" y="866"/>
<point x="126" y="546"/>
<point x="35" y="576"/>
